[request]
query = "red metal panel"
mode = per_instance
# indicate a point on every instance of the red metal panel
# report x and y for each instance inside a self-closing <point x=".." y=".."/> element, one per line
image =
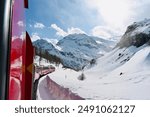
<point x="18" y="30"/>
<point x="28" y="53"/>
<point x="20" y="84"/>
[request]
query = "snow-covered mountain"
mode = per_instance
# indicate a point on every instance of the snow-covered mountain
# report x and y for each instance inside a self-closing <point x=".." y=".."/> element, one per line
<point x="122" y="73"/>
<point x="43" y="45"/>
<point x="136" y="34"/>
<point x="76" y="50"/>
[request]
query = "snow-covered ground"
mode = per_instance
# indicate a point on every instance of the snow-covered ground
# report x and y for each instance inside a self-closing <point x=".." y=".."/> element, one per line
<point x="120" y="74"/>
<point x="128" y="81"/>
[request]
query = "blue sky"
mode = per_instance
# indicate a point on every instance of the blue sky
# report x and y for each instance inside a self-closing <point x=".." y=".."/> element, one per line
<point x="54" y="19"/>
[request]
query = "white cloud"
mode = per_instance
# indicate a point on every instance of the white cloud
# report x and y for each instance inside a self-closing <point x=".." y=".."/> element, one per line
<point x="14" y="37"/>
<point x="20" y="23"/>
<point x="61" y="32"/>
<point x="30" y="25"/>
<point x="22" y="36"/>
<point x="115" y="13"/>
<point x="35" y="37"/>
<point x="104" y="32"/>
<point x="119" y="14"/>
<point x="73" y="30"/>
<point x="39" y="25"/>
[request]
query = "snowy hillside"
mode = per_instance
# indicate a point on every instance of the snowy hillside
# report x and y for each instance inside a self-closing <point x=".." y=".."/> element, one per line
<point x="127" y="77"/>
<point x="121" y="78"/>
<point x="76" y="50"/>
<point x="122" y="73"/>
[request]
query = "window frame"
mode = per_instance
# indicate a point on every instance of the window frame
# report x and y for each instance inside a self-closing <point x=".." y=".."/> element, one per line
<point x="5" y="43"/>
<point x="26" y="4"/>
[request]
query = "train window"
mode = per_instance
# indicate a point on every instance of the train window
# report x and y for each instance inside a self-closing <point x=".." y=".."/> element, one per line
<point x="18" y="36"/>
<point x="16" y="52"/>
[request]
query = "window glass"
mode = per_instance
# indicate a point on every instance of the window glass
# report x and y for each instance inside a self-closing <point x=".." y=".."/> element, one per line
<point x="18" y="32"/>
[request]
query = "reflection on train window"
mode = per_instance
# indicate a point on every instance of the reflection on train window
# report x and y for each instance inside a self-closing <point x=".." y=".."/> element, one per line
<point x="16" y="67"/>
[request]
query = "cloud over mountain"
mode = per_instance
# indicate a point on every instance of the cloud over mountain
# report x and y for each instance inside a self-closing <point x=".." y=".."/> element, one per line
<point x="62" y="33"/>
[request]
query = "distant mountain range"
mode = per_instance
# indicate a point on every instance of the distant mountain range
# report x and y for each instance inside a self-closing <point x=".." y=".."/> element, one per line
<point x="76" y="50"/>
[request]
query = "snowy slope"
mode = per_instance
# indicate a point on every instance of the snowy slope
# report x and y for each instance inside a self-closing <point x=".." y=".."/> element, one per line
<point x="105" y="82"/>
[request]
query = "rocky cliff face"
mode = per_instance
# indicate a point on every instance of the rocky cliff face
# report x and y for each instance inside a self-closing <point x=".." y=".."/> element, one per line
<point x="136" y="34"/>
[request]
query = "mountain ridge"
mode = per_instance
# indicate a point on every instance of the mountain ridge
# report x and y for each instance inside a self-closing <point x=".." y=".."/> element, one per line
<point x="136" y="34"/>
<point x="77" y="50"/>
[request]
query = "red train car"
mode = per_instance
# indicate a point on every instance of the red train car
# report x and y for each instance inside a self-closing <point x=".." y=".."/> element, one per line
<point x="16" y="52"/>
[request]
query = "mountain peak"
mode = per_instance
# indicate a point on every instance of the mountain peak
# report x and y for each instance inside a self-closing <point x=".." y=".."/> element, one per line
<point x="76" y="37"/>
<point x="77" y="50"/>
